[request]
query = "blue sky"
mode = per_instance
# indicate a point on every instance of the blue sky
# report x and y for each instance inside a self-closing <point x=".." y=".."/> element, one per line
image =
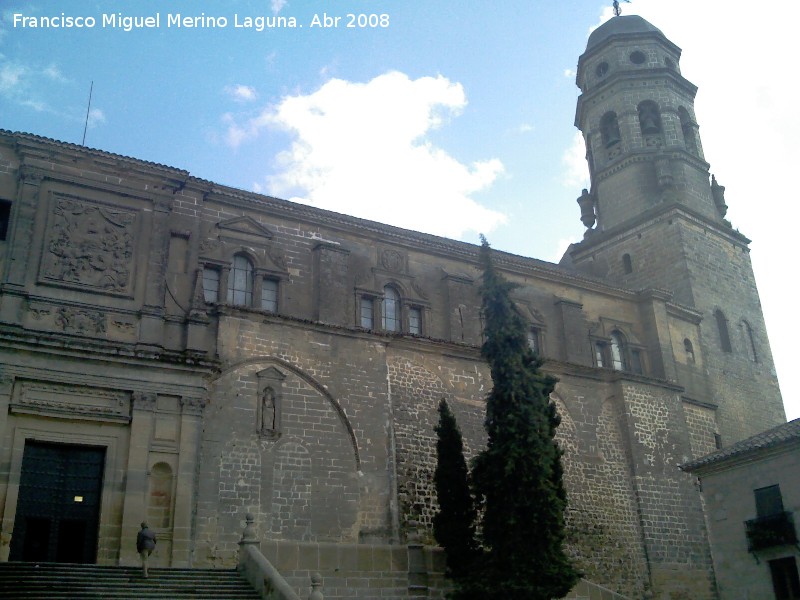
<point x="459" y="111"/>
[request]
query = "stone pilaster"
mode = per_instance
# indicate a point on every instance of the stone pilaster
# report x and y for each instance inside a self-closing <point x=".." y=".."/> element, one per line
<point x="189" y="447"/>
<point x="135" y="504"/>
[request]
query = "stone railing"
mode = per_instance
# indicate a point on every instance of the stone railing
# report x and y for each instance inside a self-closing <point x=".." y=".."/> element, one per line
<point x="260" y="573"/>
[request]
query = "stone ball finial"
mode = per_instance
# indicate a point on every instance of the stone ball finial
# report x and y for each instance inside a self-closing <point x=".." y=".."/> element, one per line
<point x="316" y="587"/>
<point x="249" y="533"/>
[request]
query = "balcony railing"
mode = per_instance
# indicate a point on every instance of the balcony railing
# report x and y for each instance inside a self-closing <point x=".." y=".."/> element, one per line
<point x="771" y="531"/>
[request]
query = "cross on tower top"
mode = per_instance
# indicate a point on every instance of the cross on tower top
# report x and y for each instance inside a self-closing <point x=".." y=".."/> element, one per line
<point x="617" y="9"/>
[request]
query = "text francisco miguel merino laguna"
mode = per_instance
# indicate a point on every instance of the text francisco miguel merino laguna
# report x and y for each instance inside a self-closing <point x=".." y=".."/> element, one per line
<point x="155" y="21"/>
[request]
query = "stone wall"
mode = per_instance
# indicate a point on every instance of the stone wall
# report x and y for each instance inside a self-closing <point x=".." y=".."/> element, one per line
<point x="360" y="570"/>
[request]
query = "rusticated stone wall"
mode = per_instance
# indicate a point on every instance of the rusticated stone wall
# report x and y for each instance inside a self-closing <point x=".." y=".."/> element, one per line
<point x="418" y="381"/>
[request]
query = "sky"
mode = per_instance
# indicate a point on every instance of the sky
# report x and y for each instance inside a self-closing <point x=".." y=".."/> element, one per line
<point x="448" y="117"/>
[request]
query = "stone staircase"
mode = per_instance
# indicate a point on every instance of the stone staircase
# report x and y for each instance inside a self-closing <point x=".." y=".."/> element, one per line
<point x="56" y="581"/>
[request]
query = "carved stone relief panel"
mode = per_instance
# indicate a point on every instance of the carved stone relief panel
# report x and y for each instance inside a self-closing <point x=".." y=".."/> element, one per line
<point x="80" y="320"/>
<point x="70" y="401"/>
<point x="89" y="246"/>
<point x="392" y="260"/>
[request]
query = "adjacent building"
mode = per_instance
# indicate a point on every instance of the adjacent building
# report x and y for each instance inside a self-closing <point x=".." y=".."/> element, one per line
<point x="752" y="493"/>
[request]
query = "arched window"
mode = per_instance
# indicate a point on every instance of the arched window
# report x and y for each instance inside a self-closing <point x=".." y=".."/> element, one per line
<point x="687" y="128"/>
<point x="618" y="362"/>
<point x="240" y="281"/>
<point x="391" y="309"/>
<point x="649" y="118"/>
<point x="609" y="129"/>
<point x="722" y="327"/>
<point x="689" y="349"/>
<point x="627" y="263"/>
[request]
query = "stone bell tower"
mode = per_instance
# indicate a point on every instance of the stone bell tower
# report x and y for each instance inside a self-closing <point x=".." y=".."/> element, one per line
<point x="656" y="220"/>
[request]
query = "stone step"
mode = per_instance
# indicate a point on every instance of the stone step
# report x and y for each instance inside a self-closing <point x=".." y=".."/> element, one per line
<point x="51" y="581"/>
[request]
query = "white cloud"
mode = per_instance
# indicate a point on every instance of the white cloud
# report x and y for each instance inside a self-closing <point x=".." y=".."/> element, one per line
<point x="362" y="149"/>
<point x="241" y="93"/>
<point x="10" y="76"/>
<point x="576" y="170"/>
<point x="277" y="5"/>
<point x="96" y="117"/>
<point x="53" y="72"/>
<point x="560" y="249"/>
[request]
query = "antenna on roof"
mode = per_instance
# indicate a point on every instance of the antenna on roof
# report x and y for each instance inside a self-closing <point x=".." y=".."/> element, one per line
<point x="617" y="9"/>
<point x="88" y="107"/>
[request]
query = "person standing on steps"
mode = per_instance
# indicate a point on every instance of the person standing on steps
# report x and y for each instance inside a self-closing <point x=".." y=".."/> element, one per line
<point x="145" y="544"/>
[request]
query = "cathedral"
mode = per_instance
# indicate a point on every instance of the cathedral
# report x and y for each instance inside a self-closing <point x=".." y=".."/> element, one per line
<point x="185" y="353"/>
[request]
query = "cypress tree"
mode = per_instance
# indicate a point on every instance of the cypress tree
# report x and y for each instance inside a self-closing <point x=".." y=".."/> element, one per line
<point x="518" y="477"/>
<point x="454" y="524"/>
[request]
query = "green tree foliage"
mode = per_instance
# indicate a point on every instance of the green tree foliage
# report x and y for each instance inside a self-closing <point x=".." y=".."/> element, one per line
<point x="518" y="477"/>
<point x="454" y="524"/>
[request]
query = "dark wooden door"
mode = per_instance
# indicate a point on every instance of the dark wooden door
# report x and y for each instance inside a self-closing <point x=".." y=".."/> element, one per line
<point x="58" y="509"/>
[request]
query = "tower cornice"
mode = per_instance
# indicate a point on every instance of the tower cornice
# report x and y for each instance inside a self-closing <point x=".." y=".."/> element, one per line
<point x="599" y="240"/>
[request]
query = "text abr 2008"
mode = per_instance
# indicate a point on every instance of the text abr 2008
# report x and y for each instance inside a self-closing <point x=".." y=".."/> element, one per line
<point x="367" y="20"/>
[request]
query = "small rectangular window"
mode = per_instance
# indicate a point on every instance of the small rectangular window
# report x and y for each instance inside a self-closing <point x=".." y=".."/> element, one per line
<point x="269" y="295"/>
<point x="367" y="312"/>
<point x="415" y="321"/>
<point x="599" y="354"/>
<point x="210" y="284"/>
<point x="5" y="218"/>
<point x="768" y="501"/>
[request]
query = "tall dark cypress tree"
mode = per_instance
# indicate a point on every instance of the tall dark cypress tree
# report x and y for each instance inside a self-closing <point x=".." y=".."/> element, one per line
<point x="518" y="477"/>
<point x="454" y="524"/>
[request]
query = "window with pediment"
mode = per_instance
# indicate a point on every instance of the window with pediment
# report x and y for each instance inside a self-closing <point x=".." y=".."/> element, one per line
<point x="240" y="281"/>
<point x="617" y="347"/>
<point x="618" y="353"/>
<point x="391" y="309"/>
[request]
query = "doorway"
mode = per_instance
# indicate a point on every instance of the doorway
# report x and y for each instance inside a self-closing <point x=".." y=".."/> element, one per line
<point x="58" y="509"/>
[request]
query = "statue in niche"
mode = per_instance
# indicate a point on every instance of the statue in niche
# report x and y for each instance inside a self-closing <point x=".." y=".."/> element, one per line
<point x="268" y="411"/>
